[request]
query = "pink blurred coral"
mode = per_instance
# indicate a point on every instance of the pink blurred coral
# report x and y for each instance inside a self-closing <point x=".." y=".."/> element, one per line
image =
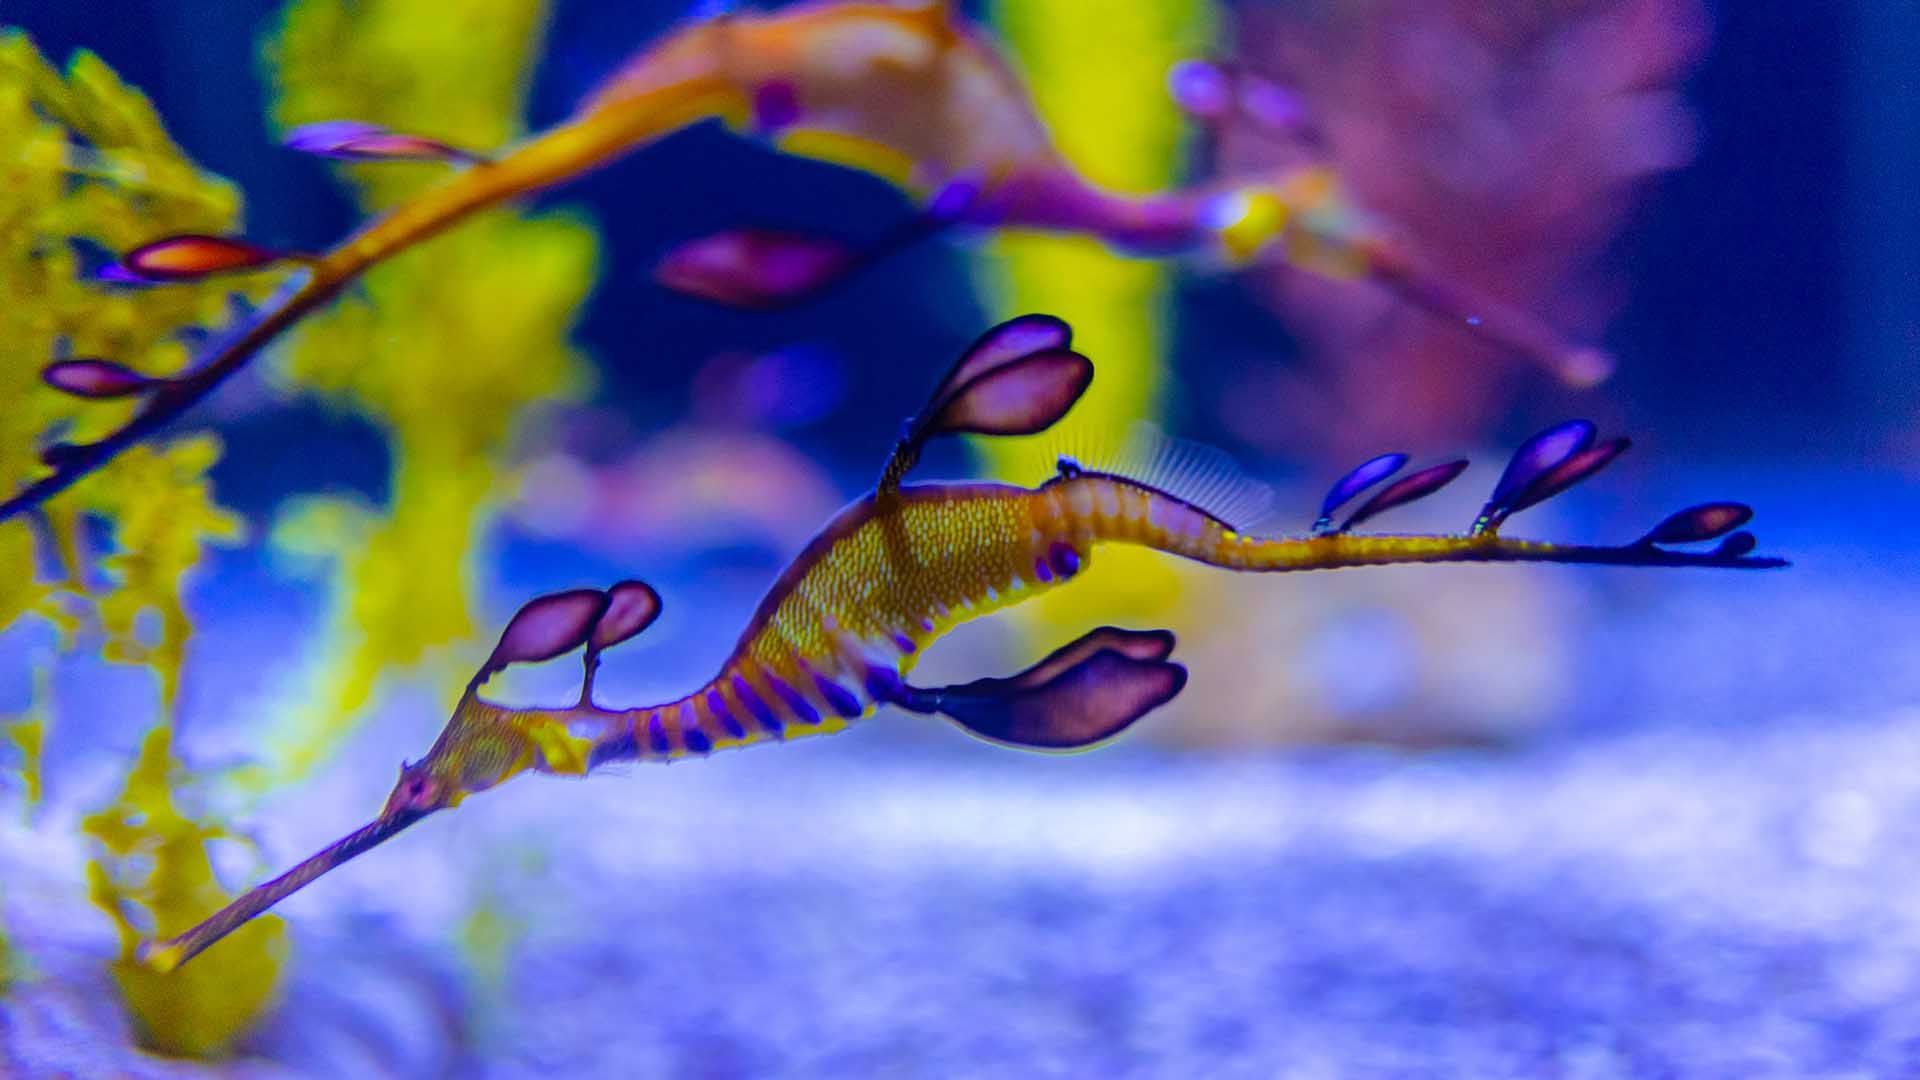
<point x="1505" y="142"/>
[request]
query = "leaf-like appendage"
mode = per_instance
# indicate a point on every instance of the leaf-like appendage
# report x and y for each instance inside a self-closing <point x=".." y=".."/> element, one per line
<point x="192" y="256"/>
<point x="1535" y="458"/>
<point x="1569" y="472"/>
<point x="1019" y="398"/>
<point x="1405" y="490"/>
<point x="1141" y="645"/>
<point x="547" y="626"/>
<point x="1090" y="701"/>
<point x="631" y="607"/>
<point x="351" y="140"/>
<point x="757" y="269"/>
<point x="1018" y="337"/>
<point x="95" y="379"/>
<point x="1015" y="379"/>
<point x="1696" y="523"/>
<point x="1363" y="476"/>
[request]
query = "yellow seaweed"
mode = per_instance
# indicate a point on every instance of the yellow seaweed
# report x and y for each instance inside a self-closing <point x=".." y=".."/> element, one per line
<point x="483" y="315"/>
<point x="198" y="1011"/>
<point x="84" y="156"/>
<point x="1098" y="77"/>
<point x="165" y="515"/>
<point x="28" y="734"/>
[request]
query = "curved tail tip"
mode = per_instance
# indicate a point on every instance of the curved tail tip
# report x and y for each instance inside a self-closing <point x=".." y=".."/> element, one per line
<point x="163" y="957"/>
<point x="1585" y="368"/>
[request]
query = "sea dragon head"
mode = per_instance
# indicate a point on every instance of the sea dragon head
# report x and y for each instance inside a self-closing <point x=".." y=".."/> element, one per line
<point x="482" y="746"/>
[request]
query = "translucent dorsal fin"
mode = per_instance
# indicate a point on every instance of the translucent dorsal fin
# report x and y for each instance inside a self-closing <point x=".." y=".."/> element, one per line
<point x="1205" y="476"/>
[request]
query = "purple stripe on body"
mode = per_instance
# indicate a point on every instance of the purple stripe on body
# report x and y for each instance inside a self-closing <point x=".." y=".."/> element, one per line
<point x="717" y="705"/>
<point x="839" y="697"/>
<point x="1065" y="560"/>
<point x="692" y="735"/>
<point x="657" y="734"/>
<point x="618" y="748"/>
<point x="743" y="691"/>
<point x="796" y="704"/>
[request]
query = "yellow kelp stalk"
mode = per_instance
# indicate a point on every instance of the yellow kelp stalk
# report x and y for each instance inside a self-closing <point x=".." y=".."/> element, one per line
<point x="26" y="734"/>
<point x="1098" y="73"/>
<point x="444" y="348"/>
<point x="191" y="1012"/>
<point x="85" y="160"/>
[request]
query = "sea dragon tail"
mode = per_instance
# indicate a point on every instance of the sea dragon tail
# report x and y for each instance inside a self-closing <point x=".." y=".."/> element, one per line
<point x="1103" y="507"/>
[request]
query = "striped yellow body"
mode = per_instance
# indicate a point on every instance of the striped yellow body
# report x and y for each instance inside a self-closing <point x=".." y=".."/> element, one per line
<point x="837" y="633"/>
<point x="890" y="575"/>
<point x="835" y="636"/>
<point x="840" y="628"/>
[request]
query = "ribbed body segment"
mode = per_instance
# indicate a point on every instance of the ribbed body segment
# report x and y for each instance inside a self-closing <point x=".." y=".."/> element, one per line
<point x="836" y="634"/>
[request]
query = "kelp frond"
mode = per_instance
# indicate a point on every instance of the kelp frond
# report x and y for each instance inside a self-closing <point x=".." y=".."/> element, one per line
<point x="195" y="1012"/>
<point x="483" y="315"/>
<point x="88" y="167"/>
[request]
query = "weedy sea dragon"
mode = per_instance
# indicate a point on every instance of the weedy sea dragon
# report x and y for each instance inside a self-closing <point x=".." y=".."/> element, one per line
<point x="912" y="93"/>
<point x="837" y="634"/>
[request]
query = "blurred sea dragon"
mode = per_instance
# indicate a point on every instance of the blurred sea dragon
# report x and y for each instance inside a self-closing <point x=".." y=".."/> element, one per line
<point x="911" y="93"/>
<point x="836" y="635"/>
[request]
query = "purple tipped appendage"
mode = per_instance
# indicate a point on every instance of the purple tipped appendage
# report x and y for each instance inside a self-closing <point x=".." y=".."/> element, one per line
<point x="1405" y="490"/>
<point x="1535" y="458"/>
<point x="1363" y="476"/>
<point x="547" y="626"/>
<point x="1568" y="473"/>
<point x="95" y="379"/>
<point x="353" y="140"/>
<point x="1696" y="523"/>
